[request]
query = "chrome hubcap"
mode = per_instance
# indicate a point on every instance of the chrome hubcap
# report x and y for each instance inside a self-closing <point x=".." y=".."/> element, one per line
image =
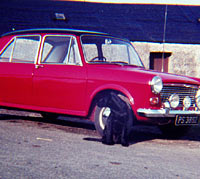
<point x="103" y="116"/>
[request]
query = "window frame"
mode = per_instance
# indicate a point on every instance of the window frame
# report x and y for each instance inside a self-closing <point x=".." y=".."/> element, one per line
<point x="68" y="53"/>
<point x="5" y="47"/>
<point x="105" y="36"/>
<point x="13" y="40"/>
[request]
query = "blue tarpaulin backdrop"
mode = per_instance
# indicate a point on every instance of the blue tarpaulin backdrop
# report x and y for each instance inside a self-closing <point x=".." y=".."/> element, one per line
<point x="135" y="22"/>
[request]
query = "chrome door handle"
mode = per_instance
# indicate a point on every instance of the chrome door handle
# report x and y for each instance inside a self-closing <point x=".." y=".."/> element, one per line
<point x="39" y="66"/>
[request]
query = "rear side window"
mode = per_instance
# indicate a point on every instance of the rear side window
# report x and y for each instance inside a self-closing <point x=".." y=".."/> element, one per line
<point x="21" y="50"/>
<point x="25" y="49"/>
<point x="6" y="55"/>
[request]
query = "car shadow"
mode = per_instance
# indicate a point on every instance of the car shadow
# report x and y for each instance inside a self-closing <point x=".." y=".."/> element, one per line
<point x="141" y="133"/>
<point x="68" y="124"/>
<point x="138" y="133"/>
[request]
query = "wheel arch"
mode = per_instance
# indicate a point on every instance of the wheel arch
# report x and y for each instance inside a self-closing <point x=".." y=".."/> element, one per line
<point x="102" y="91"/>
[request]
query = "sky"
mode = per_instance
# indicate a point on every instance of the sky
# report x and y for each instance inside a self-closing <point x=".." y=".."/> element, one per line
<point x="179" y="2"/>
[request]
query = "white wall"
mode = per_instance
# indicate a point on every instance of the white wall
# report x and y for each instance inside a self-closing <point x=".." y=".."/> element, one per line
<point x="185" y="58"/>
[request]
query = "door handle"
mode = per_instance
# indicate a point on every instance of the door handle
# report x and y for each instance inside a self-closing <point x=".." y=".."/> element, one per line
<point x="39" y="66"/>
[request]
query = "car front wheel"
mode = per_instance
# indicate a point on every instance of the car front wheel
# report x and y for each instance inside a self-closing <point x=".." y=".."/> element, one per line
<point x="105" y="106"/>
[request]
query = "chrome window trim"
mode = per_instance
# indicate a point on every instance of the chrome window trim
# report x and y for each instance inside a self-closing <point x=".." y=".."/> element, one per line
<point x="13" y="47"/>
<point x="69" y="49"/>
<point x="38" y="48"/>
<point x="54" y="35"/>
<point x="9" y="42"/>
<point x="104" y="35"/>
<point x="2" y="51"/>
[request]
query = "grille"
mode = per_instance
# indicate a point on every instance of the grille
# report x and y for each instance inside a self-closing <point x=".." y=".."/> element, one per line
<point x="182" y="91"/>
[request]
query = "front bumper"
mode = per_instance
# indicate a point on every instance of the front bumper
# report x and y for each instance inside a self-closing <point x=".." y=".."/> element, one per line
<point x="164" y="112"/>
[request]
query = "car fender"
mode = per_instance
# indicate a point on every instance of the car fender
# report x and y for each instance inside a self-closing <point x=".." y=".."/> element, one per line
<point x="115" y="87"/>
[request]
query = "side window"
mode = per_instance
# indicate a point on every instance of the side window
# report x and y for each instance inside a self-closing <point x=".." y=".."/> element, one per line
<point x="6" y="55"/>
<point x="55" y="49"/>
<point x="25" y="49"/>
<point x="74" y="55"/>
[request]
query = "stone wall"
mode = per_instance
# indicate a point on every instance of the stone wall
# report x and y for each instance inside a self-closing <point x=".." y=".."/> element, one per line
<point x="185" y="58"/>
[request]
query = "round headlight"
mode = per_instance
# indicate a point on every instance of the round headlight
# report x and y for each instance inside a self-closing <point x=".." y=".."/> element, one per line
<point x="156" y="84"/>
<point x="174" y="100"/>
<point x="187" y="102"/>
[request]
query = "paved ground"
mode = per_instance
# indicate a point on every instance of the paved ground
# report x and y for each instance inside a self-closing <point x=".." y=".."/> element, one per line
<point x="33" y="148"/>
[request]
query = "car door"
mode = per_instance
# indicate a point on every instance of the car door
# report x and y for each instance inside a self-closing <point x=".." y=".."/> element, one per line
<point x="60" y="78"/>
<point x="16" y="70"/>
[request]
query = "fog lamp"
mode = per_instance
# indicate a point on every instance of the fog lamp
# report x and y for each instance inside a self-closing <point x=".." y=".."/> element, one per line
<point x="187" y="102"/>
<point x="174" y="100"/>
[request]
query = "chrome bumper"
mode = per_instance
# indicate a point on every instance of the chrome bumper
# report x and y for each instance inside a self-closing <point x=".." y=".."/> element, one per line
<point x="164" y="112"/>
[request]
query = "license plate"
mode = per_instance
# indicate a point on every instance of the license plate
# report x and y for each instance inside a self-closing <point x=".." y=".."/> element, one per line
<point x="186" y="120"/>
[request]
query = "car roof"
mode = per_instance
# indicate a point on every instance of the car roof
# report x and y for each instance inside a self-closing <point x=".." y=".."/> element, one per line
<point x="53" y="30"/>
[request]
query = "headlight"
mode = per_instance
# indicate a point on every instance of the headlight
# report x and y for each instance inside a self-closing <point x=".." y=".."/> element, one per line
<point x="174" y="100"/>
<point x="156" y="84"/>
<point x="198" y="99"/>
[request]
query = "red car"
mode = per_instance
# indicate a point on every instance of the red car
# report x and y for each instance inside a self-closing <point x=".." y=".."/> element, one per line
<point x="64" y="71"/>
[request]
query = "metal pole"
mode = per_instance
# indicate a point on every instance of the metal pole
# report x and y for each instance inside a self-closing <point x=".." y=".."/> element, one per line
<point x="164" y="36"/>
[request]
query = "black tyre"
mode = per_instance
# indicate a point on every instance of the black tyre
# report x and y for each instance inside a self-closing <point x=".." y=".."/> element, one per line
<point x="101" y="112"/>
<point x="173" y="132"/>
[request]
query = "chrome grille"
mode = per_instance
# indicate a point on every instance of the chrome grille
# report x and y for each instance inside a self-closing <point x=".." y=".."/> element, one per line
<point x="181" y="90"/>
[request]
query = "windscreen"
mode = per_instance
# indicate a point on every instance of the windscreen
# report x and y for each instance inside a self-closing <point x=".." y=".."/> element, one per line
<point x="103" y="49"/>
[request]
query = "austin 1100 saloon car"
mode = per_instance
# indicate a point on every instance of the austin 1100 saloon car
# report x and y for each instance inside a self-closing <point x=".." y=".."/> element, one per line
<point x="86" y="74"/>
